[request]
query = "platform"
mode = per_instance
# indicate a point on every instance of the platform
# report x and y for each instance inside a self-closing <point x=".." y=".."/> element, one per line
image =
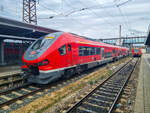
<point x="142" y="103"/>
<point x="9" y="70"/>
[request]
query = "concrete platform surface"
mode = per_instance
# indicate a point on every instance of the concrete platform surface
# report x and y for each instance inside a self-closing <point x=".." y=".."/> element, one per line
<point x="142" y="103"/>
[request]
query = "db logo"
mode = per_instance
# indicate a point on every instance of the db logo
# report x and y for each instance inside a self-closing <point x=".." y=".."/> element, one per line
<point x="33" y="52"/>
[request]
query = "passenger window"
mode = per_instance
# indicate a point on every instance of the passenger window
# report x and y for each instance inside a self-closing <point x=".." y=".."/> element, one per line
<point x="93" y="51"/>
<point x="80" y="51"/>
<point x="69" y="47"/>
<point x="62" y="50"/>
<point x="97" y="51"/>
<point x="85" y="51"/>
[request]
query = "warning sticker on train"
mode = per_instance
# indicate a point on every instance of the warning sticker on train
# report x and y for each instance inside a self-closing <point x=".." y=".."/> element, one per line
<point x="49" y="37"/>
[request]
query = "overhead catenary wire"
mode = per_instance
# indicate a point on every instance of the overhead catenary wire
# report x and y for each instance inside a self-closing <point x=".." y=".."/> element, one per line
<point x="68" y="13"/>
<point x="124" y="17"/>
<point x="65" y="14"/>
<point x="110" y="32"/>
<point x="97" y="15"/>
<point x="118" y="5"/>
<point x="45" y="7"/>
<point x="104" y="9"/>
<point x="73" y="11"/>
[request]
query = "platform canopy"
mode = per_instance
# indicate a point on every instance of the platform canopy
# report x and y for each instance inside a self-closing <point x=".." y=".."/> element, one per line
<point x="12" y="29"/>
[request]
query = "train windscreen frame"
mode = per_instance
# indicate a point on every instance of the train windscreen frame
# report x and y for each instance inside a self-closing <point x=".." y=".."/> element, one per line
<point x="41" y="45"/>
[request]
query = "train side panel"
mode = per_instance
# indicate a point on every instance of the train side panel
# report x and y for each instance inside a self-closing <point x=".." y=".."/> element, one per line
<point x="68" y="54"/>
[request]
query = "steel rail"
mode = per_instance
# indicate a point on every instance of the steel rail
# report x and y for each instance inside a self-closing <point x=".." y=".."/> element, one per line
<point x="9" y="76"/>
<point x="14" y="89"/>
<point x="89" y="94"/>
<point x="29" y="93"/>
<point x="121" y="90"/>
<point x="12" y="82"/>
<point x="18" y="98"/>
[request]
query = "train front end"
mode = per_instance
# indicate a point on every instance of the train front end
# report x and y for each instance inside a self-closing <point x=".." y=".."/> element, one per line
<point x="136" y="52"/>
<point x="37" y="60"/>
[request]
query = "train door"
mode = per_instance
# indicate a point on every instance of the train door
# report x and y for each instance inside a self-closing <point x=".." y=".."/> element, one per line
<point x="102" y="53"/>
<point x="74" y="53"/>
<point x="63" y="56"/>
<point x="69" y="55"/>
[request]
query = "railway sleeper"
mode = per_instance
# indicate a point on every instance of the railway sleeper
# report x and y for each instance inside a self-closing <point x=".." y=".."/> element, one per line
<point x="99" y="102"/>
<point x="113" y="86"/>
<point x="106" y="92"/>
<point x="114" y="83"/>
<point x="96" y="105"/>
<point x="94" y="108"/>
<point x="83" y="110"/>
<point x="102" y="98"/>
<point x="109" y="90"/>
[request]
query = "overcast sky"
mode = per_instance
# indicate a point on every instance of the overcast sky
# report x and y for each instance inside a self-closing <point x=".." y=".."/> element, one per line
<point x="100" y="19"/>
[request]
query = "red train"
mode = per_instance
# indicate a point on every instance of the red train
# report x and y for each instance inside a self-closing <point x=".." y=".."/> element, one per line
<point x="63" y="54"/>
<point x="136" y="52"/>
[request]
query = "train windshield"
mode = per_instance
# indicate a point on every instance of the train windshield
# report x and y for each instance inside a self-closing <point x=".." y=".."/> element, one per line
<point x="136" y="50"/>
<point x="41" y="45"/>
<point x="42" y="42"/>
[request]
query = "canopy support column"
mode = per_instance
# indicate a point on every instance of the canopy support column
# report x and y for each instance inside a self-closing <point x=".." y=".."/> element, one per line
<point x="2" y="53"/>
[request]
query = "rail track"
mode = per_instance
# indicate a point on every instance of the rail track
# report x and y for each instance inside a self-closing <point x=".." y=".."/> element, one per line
<point x="10" y="96"/>
<point x="14" y="81"/>
<point x="11" y="81"/>
<point x="103" y="98"/>
<point x="21" y="92"/>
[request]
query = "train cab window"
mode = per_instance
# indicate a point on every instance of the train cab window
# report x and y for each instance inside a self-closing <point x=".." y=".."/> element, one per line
<point x="41" y="43"/>
<point x="136" y="50"/>
<point x="37" y="44"/>
<point x="62" y="50"/>
<point x="69" y="47"/>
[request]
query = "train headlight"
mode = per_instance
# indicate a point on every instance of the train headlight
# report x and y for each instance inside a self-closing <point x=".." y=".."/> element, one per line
<point x="43" y="63"/>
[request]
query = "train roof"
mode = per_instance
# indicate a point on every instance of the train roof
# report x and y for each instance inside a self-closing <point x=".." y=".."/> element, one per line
<point x="95" y="42"/>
